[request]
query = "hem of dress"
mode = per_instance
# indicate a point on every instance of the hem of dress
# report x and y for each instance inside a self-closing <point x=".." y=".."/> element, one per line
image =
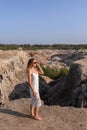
<point x="35" y="106"/>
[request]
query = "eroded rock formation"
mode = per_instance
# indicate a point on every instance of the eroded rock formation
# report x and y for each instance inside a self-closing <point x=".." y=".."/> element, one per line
<point x="68" y="90"/>
<point x="12" y="72"/>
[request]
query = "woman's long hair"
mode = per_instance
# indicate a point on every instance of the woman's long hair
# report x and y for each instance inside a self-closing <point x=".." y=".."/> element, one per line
<point x="29" y="64"/>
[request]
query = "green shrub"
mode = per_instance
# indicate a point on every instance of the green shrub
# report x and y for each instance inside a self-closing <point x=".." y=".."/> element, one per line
<point x="54" y="73"/>
<point x="63" y="71"/>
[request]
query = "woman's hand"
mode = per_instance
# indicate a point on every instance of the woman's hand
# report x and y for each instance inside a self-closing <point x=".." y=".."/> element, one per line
<point x="38" y="64"/>
<point x="39" y="68"/>
<point x="34" y="93"/>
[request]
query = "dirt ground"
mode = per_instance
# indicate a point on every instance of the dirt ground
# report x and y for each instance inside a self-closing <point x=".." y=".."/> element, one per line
<point x="14" y="115"/>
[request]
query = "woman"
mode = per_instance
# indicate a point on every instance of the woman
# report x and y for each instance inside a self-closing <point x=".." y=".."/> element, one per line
<point x="33" y="69"/>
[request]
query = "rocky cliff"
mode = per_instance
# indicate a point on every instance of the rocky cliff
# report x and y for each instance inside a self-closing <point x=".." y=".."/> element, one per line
<point x="12" y="72"/>
<point x="68" y="90"/>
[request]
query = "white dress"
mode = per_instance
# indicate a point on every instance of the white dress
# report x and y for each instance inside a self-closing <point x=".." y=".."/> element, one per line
<point x="35" y="101"/>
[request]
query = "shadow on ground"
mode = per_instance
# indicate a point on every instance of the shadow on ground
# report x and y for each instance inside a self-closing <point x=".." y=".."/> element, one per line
<point x="15" y="113"/>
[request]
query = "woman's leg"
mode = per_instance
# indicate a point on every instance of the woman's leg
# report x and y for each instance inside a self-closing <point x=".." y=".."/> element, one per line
<point x="37" y="117"/>
<point x="32" y="110"/>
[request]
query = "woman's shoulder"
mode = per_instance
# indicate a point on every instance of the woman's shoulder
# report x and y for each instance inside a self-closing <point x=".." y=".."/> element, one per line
<point x="30" y="70"/>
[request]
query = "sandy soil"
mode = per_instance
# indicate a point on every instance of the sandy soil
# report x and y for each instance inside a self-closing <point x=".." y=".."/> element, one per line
<point x="14" y="115"/>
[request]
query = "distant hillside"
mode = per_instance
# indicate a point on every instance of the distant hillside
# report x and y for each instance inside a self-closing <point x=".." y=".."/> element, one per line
<point x="39" y="46"/>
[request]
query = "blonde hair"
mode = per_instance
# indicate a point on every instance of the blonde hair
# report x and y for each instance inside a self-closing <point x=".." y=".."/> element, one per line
<point x="29" y="64"/>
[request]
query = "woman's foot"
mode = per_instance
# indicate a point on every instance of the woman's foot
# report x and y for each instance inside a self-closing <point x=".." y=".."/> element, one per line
<point x="38" y="118"/>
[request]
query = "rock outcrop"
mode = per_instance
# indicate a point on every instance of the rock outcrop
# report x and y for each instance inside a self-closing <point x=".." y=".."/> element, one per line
<point x="12" y="72"/>
<point x="68" y="90"/>
<point x="13" y="69"/>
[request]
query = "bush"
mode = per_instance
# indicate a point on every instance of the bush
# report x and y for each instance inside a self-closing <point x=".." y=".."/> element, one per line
<point x="63" y="71"/>
<point x="54" y="73"/>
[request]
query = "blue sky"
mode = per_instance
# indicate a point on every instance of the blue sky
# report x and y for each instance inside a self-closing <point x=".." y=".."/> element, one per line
<point x="43" y="21"/>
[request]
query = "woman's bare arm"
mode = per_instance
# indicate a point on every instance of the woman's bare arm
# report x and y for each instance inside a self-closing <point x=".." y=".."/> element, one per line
<point x="39" y="69"/>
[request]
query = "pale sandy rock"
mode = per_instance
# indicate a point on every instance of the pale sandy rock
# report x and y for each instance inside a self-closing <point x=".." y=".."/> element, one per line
<point x="47" y="79"/>
<point x="83" y="63"/>
<point x="13" y="70"/>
